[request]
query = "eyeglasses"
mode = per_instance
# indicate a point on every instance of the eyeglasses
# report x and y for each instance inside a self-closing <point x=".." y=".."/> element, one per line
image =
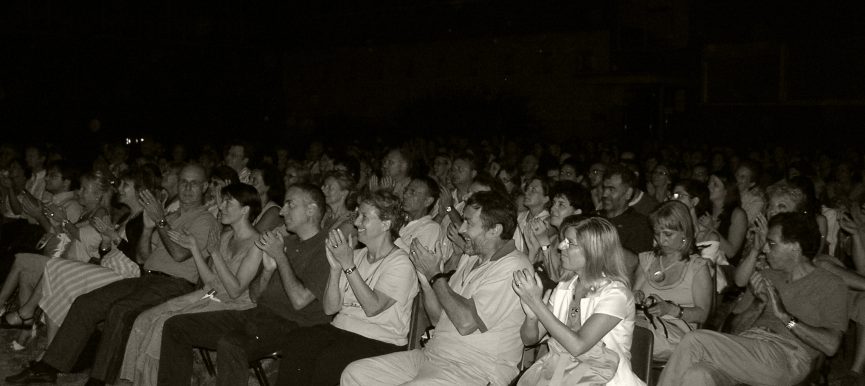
<point x="596" y="171"/>
<point x="661" y="172"/>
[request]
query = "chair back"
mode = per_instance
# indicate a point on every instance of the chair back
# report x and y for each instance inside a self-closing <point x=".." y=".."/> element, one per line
<point x="418" y="324"/>
<point x="641" y="353"/>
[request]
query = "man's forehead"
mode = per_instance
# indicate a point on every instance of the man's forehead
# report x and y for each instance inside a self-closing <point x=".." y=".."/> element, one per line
<point x="192" y="174"/>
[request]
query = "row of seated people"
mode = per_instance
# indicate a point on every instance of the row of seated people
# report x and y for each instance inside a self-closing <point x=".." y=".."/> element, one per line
<point x="677" y="229"/>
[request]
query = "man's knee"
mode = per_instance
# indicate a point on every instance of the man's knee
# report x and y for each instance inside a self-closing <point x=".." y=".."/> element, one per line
<point x="233" y="343"/>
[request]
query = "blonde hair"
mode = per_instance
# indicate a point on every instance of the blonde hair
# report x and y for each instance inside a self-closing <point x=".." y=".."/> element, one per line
<point x="605" y="258"/>
<point x="676" y="216"/>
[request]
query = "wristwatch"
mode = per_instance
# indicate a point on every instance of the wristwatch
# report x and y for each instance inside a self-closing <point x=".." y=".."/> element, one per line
<point x="449" y="209"/>
<point x="440" y="275"/>
<point x="792" y="323"/>
<point x="162" y="223"/>
<point x="349" y="270"/>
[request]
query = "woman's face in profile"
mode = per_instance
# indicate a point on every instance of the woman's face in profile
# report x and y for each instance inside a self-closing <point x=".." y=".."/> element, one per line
<point x="573" y="255"/>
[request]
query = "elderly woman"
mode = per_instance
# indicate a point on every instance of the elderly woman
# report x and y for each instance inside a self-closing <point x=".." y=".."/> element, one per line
<point x="226" y="277"/>
<point x="341" y="198"/>
<point x="589" y="316"/>
<point x="536" y="203"/>
<point x="371" y="292"/>
<point x="81" y="242"/>
<point x="674" y="285"/>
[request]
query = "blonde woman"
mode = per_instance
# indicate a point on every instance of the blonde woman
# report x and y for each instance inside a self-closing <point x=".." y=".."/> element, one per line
<point x="589" y="316"/>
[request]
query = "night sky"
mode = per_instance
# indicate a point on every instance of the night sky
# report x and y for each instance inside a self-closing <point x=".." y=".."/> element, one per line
<point x="289" y="70"/>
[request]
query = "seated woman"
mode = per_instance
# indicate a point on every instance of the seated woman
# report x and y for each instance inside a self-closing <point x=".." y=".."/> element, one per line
<point x="695" y="195"/>
<point x="589" y="316"/>
<point x="674" y="285"/>
<point x="341" y="198"/>
<point x="728" y="218"/>
<point x="371" y="292"/>
<point x="268" y="183"/>
<point x="64" y="280"/>
<point x="569" y="198"/>
<point x="83" y="244"/>
<point x="226" y="279"/>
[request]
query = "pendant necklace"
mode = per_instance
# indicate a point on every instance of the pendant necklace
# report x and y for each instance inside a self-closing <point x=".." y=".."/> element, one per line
<point x="660" y="274"/>
<point x="575" y="306"/>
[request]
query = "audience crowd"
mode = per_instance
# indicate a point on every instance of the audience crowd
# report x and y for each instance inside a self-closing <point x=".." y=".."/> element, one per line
<point x="744" y="266"/>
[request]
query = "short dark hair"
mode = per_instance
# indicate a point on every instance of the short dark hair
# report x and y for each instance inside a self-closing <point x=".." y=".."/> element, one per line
<point x="495" y="184"/>
<point x="545" y="185"/>
<point x="315" y="195"/>
<point x="800" y="228"/>
<point x="433" y="187"/>
<point x="246" y="195"/>
<point x="68" y="171"/>
<point x="625" y="173"/>
<point x="578" y="196"/>
<point x="389" y="207"/>
<point x="225" y="173"/>
<point x="495" y="209"/>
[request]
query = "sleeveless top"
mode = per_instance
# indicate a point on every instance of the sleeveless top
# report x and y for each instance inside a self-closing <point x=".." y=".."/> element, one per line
<point x="680" y="291"/>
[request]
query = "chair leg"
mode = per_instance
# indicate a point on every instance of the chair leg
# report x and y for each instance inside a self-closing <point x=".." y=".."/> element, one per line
<point x="208" y="362"/>
<point x="260" y="374"/>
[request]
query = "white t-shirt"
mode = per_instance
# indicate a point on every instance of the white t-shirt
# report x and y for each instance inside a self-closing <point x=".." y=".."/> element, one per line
<point x="393" y="276"/>
<point x="424" y="229"/>
<point x="497" y="351"/>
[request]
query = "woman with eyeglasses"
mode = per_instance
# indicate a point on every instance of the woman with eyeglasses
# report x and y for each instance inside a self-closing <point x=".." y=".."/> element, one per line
<point x="589" y="316"/>
<point x="673" y="284"/>
<point x="658" y="186"/>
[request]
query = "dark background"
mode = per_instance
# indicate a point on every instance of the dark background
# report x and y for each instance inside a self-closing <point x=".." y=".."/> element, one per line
<point x="712" y="71"/>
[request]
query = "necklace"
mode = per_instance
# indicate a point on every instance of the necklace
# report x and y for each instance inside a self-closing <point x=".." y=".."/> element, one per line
<point x="660" y="274"/>
<point x="575" y="306"/>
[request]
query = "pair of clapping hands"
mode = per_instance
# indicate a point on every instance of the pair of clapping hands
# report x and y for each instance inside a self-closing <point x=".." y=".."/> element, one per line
<point x="852" y="220"/>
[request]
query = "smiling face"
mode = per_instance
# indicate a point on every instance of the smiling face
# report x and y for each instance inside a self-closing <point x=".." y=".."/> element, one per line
<point x="473" y="230"/>
<point x="90" y="193"/>
<point x="573" y="255"/>
<point x="369" y="225"/>
<point x="561" y="208"/>
<point x="257" y="179"/>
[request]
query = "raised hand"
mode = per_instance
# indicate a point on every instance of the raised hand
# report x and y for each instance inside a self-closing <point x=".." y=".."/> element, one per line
<point x="445" y="198"/>
<point x="152" y="206"/>
<point x="528" y="286"/>
<point x="340" y="248"/>
<point x="457" y="240"/>
<point x="426" y="262"/>
<point x="272" y="243"/>
<point x="104" y="227"/>
<point x="387" y="182"/>
<point x="373" y="183"/>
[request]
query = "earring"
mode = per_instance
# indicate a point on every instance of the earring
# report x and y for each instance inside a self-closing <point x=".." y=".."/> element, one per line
<point x="684" y="240"/>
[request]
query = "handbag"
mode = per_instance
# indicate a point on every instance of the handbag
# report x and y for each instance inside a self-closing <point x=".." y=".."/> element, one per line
<point x="667" y="332"/>
<point x="594" y="367"/>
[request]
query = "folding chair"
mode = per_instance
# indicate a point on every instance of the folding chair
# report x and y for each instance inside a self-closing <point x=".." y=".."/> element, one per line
<point x="641" y="353"/>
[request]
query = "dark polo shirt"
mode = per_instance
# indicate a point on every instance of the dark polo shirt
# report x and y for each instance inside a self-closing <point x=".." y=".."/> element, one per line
<point x="310" y="266"/>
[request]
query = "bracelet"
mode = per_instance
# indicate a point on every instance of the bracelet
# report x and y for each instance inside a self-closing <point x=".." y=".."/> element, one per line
<point x="350" y="270"/>
<point x="681" y="312"/>
<point x="440" y="275"/>
<point x="162" y="223"/>
<point x="792" y="323"/>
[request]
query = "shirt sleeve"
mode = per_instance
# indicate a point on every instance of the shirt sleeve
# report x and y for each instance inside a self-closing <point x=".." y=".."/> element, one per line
<point x="614" y="300"/>
<point x="398" y="279"/>
<point x="429" y="235"/>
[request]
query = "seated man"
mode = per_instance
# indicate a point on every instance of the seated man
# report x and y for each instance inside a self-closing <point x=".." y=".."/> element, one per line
<point x="801" y="313"/>
<point x="634" y="229"/>
<point x="417" y="201"/>
<point x="289" y="299"/>
<point x="476" y="340"/>
<point x="168" y="272"/>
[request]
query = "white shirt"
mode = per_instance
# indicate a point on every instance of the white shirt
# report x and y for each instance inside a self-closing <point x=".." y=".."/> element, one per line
<point x="424" y="229"/>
